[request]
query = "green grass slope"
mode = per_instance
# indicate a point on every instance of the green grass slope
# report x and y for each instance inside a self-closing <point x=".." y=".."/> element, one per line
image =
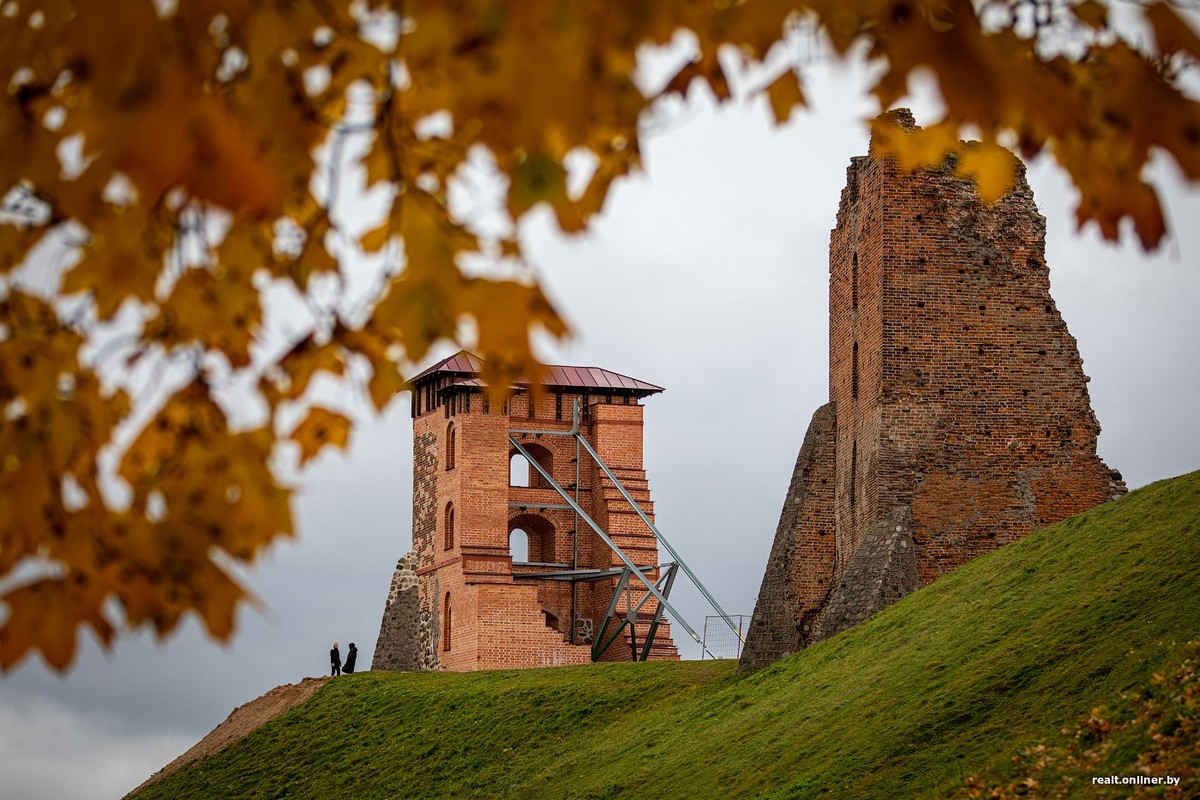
<point x="952" y="682"/>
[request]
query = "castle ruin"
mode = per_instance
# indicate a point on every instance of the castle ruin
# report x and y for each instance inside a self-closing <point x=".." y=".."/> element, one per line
<point x="503" y="574"/>
<point x="958" y="416"/>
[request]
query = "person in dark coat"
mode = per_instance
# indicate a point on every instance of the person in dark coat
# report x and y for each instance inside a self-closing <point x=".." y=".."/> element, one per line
<point x="350" y="658"/>
<point x="335" y="660"/>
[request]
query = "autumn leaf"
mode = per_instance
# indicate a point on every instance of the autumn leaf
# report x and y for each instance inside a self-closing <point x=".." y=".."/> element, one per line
<point x="913" y="148"/>
<point x="990" y="166"/>
<point x="319" y="429"/>
<point x="300" y="365"/>
<point x="122" y="258"/>
<point x="44" y="615"/>
<point x="511" y="357"/>
<point x="217" y="308"/>
<point x="536" y="179"/>
<point x="377" y="238"/>
<point x="386" y="381"/>
<point x="15" y="243"/>
<point x="172" y="149"/>
<point x="1172" y="33"/>
<point x="1092" y="13"/>
<point x="785" y="95"/>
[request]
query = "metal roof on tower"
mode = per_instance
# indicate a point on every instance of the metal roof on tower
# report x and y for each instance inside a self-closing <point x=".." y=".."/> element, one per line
<point x="469" y="366"/>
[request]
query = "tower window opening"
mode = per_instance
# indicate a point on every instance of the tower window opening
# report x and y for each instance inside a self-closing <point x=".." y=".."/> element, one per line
<point x="854" y="371"/>
<point x="853" y="471"/>
<point x="448" y="538"/>
<point x="522" y="473"/>
<point x="451" y="445"/>
<point x="854" y="281"/>
<point x="518" y="546"/>
<point x="447" y="623"/>
<point x="518" y="470"/>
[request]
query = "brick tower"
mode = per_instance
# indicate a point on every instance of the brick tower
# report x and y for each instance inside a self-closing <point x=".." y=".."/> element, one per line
<point x="498" y="577"/>
<point x="959" y="417"/>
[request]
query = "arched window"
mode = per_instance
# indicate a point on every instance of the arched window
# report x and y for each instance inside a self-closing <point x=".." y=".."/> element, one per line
<point x="522" y="473"/>
<point x="449" y="527"/>
<point x="531" y="539"/>
<point x="518" y="545"/>
<point x="451" y="435"/>
<point x="518" y="470"/>
<point x="447" y="623"/>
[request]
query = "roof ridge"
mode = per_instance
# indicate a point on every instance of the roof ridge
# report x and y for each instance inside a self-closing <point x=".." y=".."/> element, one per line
<point x="564" y="375"/>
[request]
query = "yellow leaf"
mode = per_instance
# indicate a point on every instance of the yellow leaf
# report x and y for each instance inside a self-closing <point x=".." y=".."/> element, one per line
<point x="122" y="259"/>
<point x="785" y="95"/>
<point x="305" y="360"/>
<point x="319" y="429"/>
<point x="1172" y="33"/>
<point x="15" y="243"/>
<point x="1092" y="13"/>
<point x="539" y="178"/>
<point x="314" y="259"/>
<point x="166" y="572"/>
<point x="913" y="148"/>
<point x="992" y="167"/>
<point x="44" y="615"/>
<point x="505" y="312"/>
<point x="190" y="417"/>
<point x="706" y="69"/>
<point x="377" y="238"/>
<point x="217" y="308"/>
<point x="247" y="247"/>
<point x="386" y="382"/>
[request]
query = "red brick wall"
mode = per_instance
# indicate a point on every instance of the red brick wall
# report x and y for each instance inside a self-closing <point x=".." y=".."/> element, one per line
<point x="985" y="427"/>
<point x="961" y="413"/>
<point x="497" y="621"/>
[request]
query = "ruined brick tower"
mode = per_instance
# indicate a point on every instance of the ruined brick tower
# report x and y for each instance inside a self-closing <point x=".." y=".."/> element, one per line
<point x="959" y="417"/>
<point x="462" y="599"/>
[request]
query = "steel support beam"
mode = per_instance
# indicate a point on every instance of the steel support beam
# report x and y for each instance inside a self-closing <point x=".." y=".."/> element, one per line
<point x="539" y="506"/>
<point x="604" y="536"/>
<point x="658" y="534"/>
<point x="658" y="612"/>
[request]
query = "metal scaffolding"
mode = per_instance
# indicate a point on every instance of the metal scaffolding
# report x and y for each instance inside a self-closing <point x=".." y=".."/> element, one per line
<point x="659" y="589"/>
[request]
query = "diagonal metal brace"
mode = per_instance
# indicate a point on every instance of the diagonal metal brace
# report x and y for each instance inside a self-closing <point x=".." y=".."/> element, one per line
<point x="657" y="533"/>
<point x="533" y="462"/>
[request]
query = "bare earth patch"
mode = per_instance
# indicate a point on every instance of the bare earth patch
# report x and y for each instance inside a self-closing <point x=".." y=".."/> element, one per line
<point x="242" y="721"/>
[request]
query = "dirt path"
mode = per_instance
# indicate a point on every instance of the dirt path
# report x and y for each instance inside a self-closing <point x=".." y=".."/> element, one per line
<point x="243" y="721"/>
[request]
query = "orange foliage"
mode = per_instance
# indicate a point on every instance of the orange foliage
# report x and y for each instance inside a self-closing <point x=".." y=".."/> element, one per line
<point x="187" y="116"/>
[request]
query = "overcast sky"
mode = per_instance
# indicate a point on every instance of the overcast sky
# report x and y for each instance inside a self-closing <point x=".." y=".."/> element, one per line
<point x="707" y="275"/>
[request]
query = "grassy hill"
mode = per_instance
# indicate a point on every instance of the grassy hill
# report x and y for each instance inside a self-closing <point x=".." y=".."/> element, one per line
<point x="953" y="682"/>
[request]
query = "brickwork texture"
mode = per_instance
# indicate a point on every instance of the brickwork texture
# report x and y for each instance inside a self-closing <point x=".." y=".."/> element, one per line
<point x="959" y="417"/>
<point x="458" y="601"/>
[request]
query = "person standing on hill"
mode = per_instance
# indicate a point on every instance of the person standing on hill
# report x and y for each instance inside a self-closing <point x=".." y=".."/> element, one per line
<point x="335" y="660"/>
<point x="351" y="656"/>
